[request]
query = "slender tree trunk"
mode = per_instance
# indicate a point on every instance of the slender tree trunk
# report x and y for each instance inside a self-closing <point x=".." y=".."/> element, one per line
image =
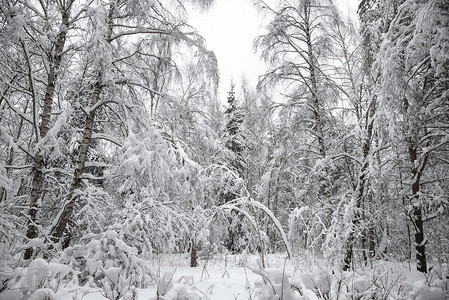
<point x="419" y="240"/>
<point x="409" y="236"/>
<point x="371" y="232"/>
<point x="417" y="218"/>
<point x="364" y="238"/>
<point x="64" y="216"/>
<point x="361" y="182"/>
<point x="193" y="254"/>
<point x="314" y="83"/>
<point x="38" y="176"/>
<point x="3" y="191"/>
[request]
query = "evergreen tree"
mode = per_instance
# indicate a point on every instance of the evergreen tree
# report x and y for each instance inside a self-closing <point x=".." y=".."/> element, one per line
<point x="234" y="137"/>
<point x="235" y="146"/>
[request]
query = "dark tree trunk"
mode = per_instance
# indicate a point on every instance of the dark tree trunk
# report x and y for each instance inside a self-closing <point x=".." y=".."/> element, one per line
<point x="349" y="253"/>
<point x="419" y="240"/>
<point x="193" y="254"/>
<point x="372" y="241"/>
<point x="417" y="217"/>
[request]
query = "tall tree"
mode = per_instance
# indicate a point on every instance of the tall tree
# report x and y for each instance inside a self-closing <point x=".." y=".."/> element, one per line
<point x="296" y="49"/>
<point x="414" y="86"/>
<point x="358" y="110"/>
<point x="112" y="28"/>
<point x="40" y="37"/>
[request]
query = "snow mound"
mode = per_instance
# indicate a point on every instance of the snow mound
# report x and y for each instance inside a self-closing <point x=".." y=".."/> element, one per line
<point x="37" y="271"/>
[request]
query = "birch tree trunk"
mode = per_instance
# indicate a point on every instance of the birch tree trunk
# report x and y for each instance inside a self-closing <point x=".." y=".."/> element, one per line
<point x="38" y="176"/>
<point x="312" y="63"/>
<point x="63" y="218"/>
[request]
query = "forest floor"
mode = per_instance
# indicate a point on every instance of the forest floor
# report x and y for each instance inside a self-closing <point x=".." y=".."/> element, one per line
<point x="230" y="277"/>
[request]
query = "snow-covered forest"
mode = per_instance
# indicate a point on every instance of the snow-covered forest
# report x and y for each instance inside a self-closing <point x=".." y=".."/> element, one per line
<point x="125" y="175"/>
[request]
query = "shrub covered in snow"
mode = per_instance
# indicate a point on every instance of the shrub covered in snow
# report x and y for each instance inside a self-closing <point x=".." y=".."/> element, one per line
<point x="183" y="288"/>
<point x="40" y="280"/>
<point x="275" y="285"/>
<point x="373" y="283"/>
<point x="435" y="286"/>
<point x="105" y="260"/>
<point x="318" y="281"/>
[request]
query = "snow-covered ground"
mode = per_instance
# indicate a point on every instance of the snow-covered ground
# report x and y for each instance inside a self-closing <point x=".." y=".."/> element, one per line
<point x="220" y="278"/>
<point x="234" y="277"/>
<point x="238" y="277"/>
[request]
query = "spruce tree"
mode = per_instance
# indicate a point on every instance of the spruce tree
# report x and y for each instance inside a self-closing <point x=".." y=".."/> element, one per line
<point x="234" y="143"/>
<point x="234" y="138"/>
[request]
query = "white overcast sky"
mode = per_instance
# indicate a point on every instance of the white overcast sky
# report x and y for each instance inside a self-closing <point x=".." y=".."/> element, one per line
<point x="230" y="27"/>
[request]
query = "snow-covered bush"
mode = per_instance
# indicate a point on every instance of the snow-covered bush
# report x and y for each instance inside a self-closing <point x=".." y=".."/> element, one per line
<point x="220" y="186"/>
<point x="319" y="281"/>
<point x="106" y="261"/>
<point x="95" y="210"/>
<point x="40" y="280"/>
<point x="117" y="284"/>
<point x="356" y="286"/>
<point x="275" y="285"/>
<point x="154" y="185"/>
<point x="374" y="283"/>
<point x="334" y="246"/>
<point x="435" y="286"/>
<point x="419" y="290"/>
<point x="306" y="228"/>
<point x="11" y="237"/>
<point x="439" y="277"/>
<point x="183" y="288"/>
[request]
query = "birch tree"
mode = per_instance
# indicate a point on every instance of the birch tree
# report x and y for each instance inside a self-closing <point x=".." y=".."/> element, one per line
<point x="295" y="48"/>
<point x="38" y="32"/>
<point x="113" y="27"/>
<point x="354" y="83"/>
